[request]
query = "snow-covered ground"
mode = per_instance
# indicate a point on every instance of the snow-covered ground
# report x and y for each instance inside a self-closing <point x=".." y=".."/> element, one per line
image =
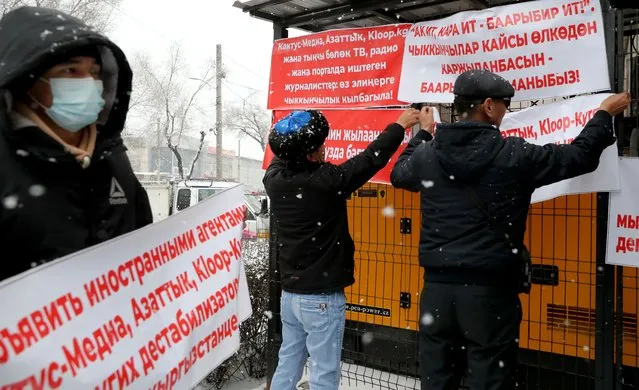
<point x="354" y="377"/>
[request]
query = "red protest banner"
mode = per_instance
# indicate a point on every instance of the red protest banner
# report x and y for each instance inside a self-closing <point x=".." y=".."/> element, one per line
<point x="351" y="132"/>
<point x="356" y="67"/>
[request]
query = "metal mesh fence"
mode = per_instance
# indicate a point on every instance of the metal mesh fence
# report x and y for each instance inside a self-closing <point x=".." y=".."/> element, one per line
<point x="627" y="279"/>
<point x="564" y="317"/>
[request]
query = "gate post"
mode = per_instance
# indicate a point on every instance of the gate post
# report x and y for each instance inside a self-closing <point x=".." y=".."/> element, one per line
<point x="605" y="274"/>
<point x="275" y="287"/>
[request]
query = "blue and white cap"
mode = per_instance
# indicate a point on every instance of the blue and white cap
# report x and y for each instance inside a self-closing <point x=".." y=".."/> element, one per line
<point x="298" y="134"/>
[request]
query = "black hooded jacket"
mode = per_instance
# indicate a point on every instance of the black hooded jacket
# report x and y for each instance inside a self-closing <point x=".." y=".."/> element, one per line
<point x="308" y="203"/>
<point x="456" y="244"/>
<point x="51" y="207"/>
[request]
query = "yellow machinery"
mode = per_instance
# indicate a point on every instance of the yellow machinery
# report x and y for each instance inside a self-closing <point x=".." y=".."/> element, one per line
<point x="559" y="315"/>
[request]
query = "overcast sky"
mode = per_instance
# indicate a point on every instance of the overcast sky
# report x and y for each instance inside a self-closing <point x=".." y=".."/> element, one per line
<point x="152" y="26"/>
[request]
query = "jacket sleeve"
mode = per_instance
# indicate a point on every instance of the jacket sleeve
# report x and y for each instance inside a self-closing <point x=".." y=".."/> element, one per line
<point x="143" y="212"/>
<point x="404" y="175"/>
<point x="356" y="171"/>
<point x="275" y="165"/>
<point x="552" y="163"/>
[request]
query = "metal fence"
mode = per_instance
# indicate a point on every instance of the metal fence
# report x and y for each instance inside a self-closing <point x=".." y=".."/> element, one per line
<point x="579" y="328"/>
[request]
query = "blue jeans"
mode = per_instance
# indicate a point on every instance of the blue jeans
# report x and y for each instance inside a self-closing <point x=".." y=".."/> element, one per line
<point x="311" y="325"/>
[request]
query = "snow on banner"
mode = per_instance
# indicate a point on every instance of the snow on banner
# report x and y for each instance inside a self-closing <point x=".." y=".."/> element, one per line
<point x="351" y="132"/>
<point x="338" y="68"/>
<point x="623" y="217"/>
<point x="544" y="48"/>
<point x="560" y="123"/>
<point x="157" y="308"/>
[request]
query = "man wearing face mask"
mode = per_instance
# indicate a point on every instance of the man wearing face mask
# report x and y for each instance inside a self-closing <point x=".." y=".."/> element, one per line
<point x="476" y="188"/>
<point x="66" y="182"/>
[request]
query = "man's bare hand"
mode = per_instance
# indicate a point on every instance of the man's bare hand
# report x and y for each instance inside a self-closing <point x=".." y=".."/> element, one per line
<point x="408" y="118"/>
<point x="427" y="119"/>
<point x="616" y="104"/>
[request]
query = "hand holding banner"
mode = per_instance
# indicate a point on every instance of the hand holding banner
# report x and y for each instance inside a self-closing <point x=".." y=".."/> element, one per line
<point x="159" y="307"/>
<point x="560" y="123"/>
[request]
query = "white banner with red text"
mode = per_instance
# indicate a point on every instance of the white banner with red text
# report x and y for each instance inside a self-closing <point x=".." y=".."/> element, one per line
<point x="623" y="217"/>
<point x="560" y="123"/>
<point x="156" y="308"/>
<point x="544" y="48"/>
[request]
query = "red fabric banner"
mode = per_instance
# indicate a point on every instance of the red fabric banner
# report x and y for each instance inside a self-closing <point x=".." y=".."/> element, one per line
<point x="351" y="132"/>
<point x="357" y="67"/>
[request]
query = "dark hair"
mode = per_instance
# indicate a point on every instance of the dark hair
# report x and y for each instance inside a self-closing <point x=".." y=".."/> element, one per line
<point x="467" y="107"/>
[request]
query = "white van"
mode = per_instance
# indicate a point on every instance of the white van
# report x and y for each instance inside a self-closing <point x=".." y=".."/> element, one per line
<point x="170" y="198"/>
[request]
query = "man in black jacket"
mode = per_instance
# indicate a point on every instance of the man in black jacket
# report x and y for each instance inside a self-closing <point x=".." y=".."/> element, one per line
<point x="308" y="202"/>
<point x="65" y="180"/>
<point x="472" y="273"/>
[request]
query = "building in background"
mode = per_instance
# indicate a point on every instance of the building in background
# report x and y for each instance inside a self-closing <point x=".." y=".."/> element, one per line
<point x="160" y="164"/>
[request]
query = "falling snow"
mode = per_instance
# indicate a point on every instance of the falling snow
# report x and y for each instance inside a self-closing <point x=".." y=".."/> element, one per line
<point x="388" y="211"/>
<point x="10" y="202"/>
<point x="367" y="338"/>
<point x="299" y="196"/>
<point x="427" y="319"/>
<point x="427" y="183"/>
<point x="44" y="34"/>
<point x="21" y="152"/>
<point x="37" y="190"/>
<point x="268" y="314"/>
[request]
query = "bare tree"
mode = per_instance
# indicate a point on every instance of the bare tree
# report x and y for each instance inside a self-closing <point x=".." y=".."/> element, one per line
<point x="248" y="119"/>
<point x="96" y="13"/>
<point x="165" y="97"/>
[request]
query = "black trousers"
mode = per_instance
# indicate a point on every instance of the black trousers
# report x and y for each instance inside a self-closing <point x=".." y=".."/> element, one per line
<point x="470" y="332"/>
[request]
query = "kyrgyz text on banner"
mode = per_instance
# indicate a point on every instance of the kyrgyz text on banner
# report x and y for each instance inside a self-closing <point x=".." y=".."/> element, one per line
<point x="340" y="68"/>
<point x="157" y="308"/>
<point x="544" y="48"/>
<point x="560" y="123"/>
<point x="623" y="217"/>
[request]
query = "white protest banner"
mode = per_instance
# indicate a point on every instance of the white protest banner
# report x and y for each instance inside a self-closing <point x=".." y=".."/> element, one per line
<point x="623" y="217"/>
<point x="544" y="48"/>
<point x="560" y="123"/>
<point x="157" y="308"/>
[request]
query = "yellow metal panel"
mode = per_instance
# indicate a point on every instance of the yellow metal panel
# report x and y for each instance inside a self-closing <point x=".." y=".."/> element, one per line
<point x="560" y="232"/>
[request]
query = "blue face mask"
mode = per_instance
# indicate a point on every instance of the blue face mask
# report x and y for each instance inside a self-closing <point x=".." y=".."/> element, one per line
<point x="77" y="103"/>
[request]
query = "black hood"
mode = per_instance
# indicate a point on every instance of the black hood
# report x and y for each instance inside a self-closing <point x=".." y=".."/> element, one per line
<point x="465" y="148"/>
<point x="32" y="36"/>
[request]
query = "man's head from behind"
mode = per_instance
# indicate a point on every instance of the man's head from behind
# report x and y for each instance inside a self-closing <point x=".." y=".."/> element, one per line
<point x="300" y="136"/>
<point x="482" y="96"/>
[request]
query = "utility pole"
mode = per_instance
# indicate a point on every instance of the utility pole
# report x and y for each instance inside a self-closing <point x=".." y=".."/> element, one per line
<point x="239" y="159"/>
<point x="159" y="151"/>
<point x="219" y="75"/>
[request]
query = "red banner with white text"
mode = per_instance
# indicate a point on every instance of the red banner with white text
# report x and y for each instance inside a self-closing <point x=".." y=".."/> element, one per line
<point x="357" y="67"/>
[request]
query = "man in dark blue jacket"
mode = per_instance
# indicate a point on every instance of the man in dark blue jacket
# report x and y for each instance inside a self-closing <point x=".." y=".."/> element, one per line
<point x="473" y="271"/>
<point x="316" y="252"/>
